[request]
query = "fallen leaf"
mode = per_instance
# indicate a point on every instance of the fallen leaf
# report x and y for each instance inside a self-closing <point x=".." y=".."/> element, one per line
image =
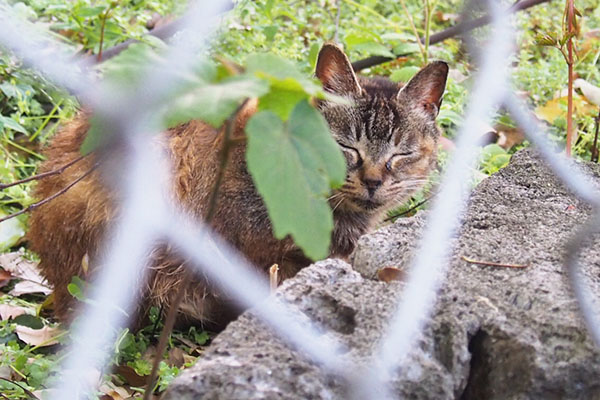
<point x="112" y="392"/>
<point x="389" y="274"/>
<point x="8" y="311"/>
<point x="175" y="358"/>
<point x="591" y="92"/>
<point x="38" y="337"/>
<point x="509" y="137"/>
<point x="557" y="107"/>
<point x="5" y="277"/>
<point x="131" y="377"/>
<point x="19" y="267"/>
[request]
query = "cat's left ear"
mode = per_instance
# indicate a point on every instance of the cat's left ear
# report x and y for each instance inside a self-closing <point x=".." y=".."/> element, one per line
<point x="426" y="88"/>
<point x="335" y="71"/>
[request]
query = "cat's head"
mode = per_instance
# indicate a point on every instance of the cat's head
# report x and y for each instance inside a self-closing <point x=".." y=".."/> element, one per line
<point x="387" y="131"/>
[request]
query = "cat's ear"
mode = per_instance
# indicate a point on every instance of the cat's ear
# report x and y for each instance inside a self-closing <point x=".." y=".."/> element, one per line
<point x="426" y="88"/>
<point x="335" y="71"/>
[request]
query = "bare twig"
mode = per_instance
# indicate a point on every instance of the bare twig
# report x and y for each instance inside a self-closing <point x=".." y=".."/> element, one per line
<point x="55" y="195"/>
<point x="43" y="175"/>
<point x="27" y="392"/>
<point x="419" y="204"/>
<point x="493" y="264"/>
<point x="174" y="306"/>
<point x="448" y="33"/>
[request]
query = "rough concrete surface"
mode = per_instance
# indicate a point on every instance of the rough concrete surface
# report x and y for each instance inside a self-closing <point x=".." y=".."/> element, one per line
<point x="496" y="333"/>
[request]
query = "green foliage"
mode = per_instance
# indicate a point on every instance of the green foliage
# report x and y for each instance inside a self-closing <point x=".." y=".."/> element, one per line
<point x="493" y="158"/>
<point x="294" y="164"/>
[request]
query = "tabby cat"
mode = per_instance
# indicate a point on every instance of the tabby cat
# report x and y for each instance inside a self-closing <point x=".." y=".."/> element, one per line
<point x="386" y="131"/>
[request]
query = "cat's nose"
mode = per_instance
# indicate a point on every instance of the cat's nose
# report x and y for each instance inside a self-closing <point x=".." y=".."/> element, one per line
<point x="372" y="185"/>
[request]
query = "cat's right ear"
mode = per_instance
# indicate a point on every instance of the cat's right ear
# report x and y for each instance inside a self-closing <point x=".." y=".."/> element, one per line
<point x="426" y="88"/>
<point x="335" y="71"/>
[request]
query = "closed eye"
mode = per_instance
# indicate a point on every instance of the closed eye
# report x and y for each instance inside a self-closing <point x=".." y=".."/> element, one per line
<point x="352" y="155"/>
<point x="398" y="157"/>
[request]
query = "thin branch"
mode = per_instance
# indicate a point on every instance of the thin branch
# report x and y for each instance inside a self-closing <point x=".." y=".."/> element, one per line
<point x="448" y="33"/>
<point x="336" y="37"/>
<point x="419" y="204"/>
<point x="102" y="29"/>
<point x="595" y="144"/>
<point x="212" y="205"/>
<point x="413" y="27"/>
<point x="493" y="264"/>
<point x="43" y="175"/>
<point x="27" y="392"/>
<point x="55" y="195"/>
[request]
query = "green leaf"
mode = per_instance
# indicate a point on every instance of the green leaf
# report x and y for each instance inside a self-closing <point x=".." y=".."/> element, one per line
<point x="404" y="74"/>
<point x="288" y="85"/>
<point x="270" y="31"/>
<point x="313" y="54"/>
<point x="293" y="165"/>
<point x="406" y="48"/>
<point x="125" y="67"/>
<point x="30" y="321"/>
<point x="281" y="101"/>
<point x="90" y="11"/>
<point x="374" y="49"/>
<point x="273" y="66"/>
<point x="97" y="134"/>
<point x="11" y="231"/>
<point x="545" y="40"/>
<point x="76" y="288"/>
<point x="214" y="103"/>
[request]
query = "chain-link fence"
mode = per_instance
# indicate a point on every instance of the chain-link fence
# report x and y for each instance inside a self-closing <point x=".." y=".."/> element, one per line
<point x="148" y="214"/>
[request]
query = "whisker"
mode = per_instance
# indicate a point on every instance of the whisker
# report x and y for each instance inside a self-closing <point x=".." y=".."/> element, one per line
<point x="338" y="204"/>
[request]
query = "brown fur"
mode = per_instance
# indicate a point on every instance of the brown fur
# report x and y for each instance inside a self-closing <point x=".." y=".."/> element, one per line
<point x="72" y="226"/>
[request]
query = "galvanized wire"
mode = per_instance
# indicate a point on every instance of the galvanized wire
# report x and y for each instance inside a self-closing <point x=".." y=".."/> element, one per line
<point x="147" y="212"/>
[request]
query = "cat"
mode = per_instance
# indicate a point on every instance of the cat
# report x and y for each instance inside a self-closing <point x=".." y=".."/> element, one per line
<point x="386" y="131"/>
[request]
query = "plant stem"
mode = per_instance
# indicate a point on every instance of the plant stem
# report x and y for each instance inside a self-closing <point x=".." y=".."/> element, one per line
<point x="174" y="306"/>
<point x="43" y="175"/>
<point x="595" y="144"/>
<point x="427" y="26"/>
<point x="55" y="195"/>
<point x="414" y="28"/>
<point x="570" y="15"/>
<point x="104" y="18"/>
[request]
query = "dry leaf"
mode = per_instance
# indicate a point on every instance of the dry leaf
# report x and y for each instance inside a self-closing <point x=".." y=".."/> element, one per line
<point x="131" y="377"/>
<point x="591" y="92"/>
<point x="8" y="311"/>
<point x="175" y="358"/>
<point x="19" y="267"/>
<point x="509" y="137"/>
<point x="38" y="337"/>
<point x="113" y="392"/>
<point x="5" y="277"/>
<point x="557" y="107"/>
<point x="388" y="274"/>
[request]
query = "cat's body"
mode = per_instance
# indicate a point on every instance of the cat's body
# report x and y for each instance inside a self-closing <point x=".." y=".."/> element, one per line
<point x="389" y="138"/>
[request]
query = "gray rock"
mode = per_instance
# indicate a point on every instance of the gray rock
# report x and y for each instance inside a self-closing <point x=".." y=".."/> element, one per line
<point x="496" y="333"/>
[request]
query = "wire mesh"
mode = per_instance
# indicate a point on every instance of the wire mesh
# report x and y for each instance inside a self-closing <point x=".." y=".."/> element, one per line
<point x="148" y="212"/>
